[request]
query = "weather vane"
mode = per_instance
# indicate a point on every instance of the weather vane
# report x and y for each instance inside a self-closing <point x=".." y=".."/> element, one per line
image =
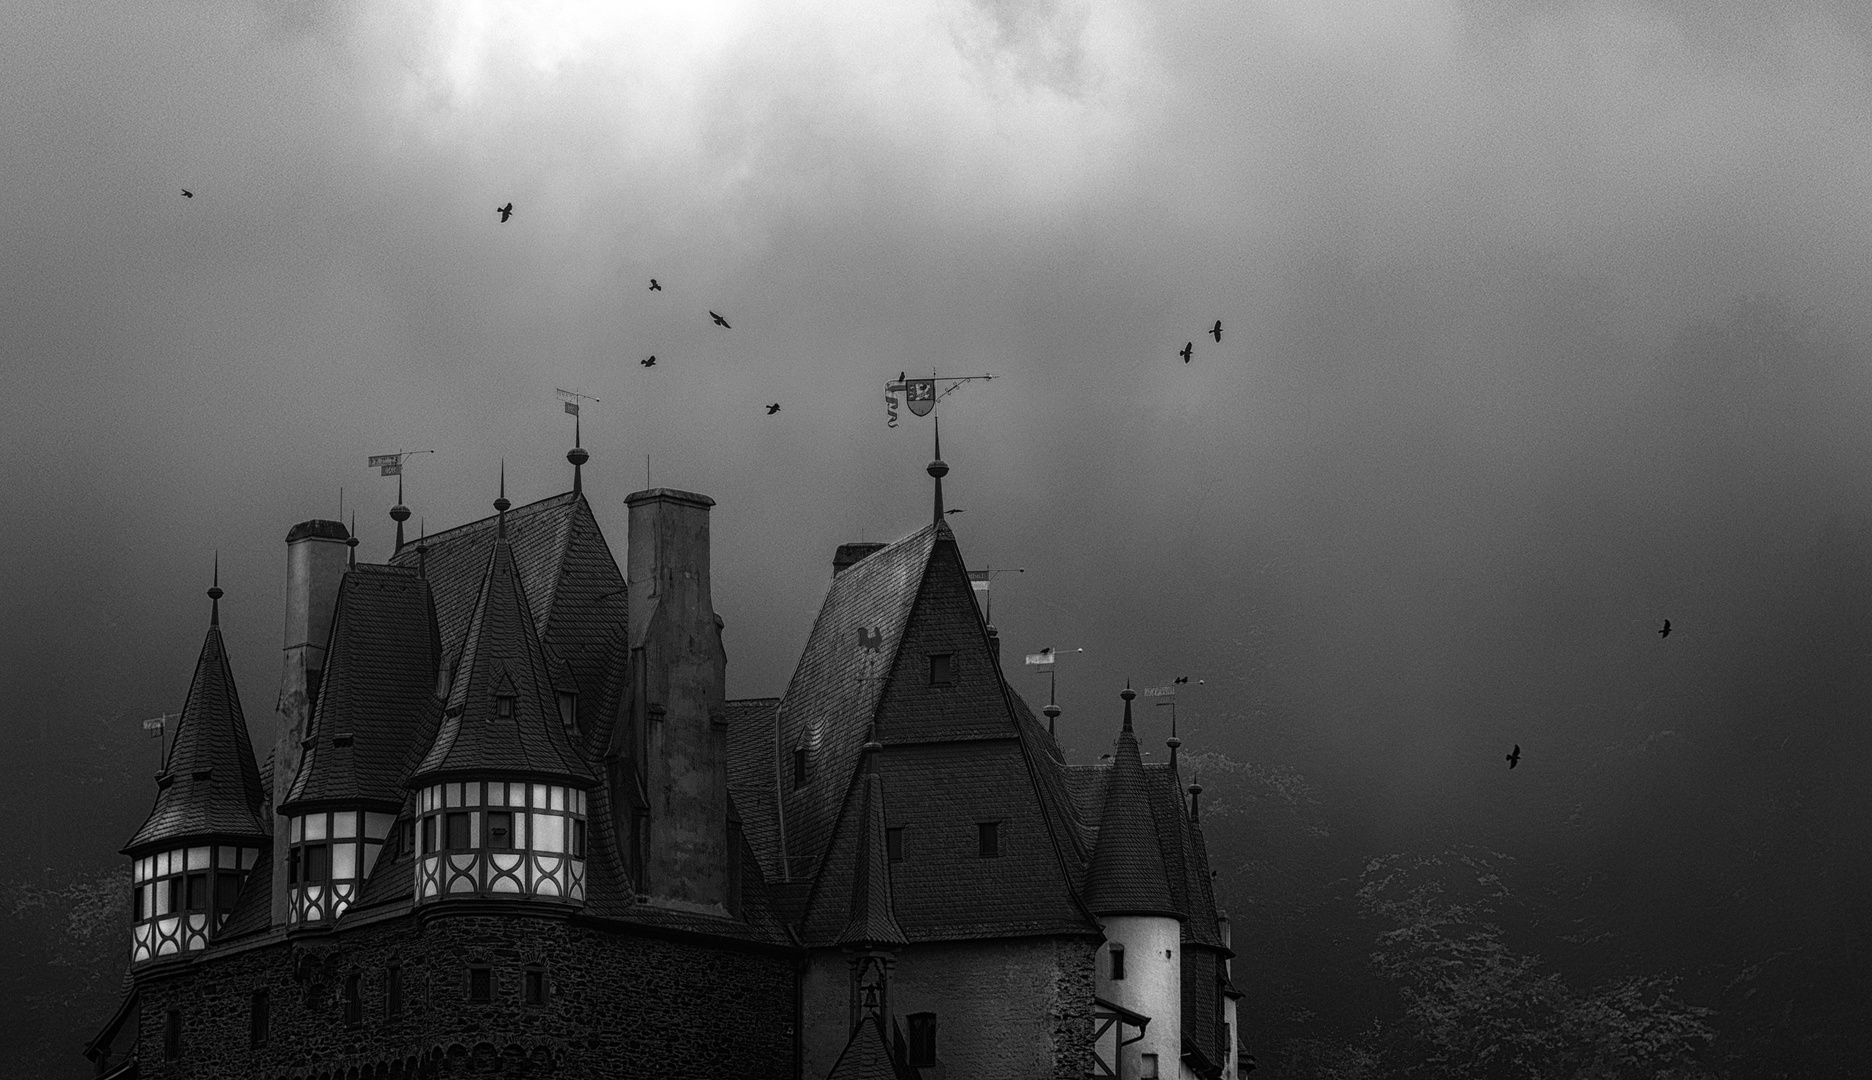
<point x="981" y="579"/>
<point x="920" y="394"/>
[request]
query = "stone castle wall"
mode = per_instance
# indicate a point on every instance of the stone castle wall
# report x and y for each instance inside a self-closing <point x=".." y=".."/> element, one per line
<point x="617" y="1005"/>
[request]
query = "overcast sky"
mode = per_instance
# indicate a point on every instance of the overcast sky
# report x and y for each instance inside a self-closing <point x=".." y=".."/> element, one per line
<point x="1450" y="245"/>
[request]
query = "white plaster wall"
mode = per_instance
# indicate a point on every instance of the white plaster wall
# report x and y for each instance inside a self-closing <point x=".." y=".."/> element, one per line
<point x="1152" y="986"/>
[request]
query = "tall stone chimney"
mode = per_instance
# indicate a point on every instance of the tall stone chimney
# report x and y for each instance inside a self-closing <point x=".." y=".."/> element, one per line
<point x="315" y="564"/>
<point x="678" y="701"/>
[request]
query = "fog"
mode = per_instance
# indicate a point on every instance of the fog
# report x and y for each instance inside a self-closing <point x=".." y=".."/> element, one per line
<point x="1542" y="324"/>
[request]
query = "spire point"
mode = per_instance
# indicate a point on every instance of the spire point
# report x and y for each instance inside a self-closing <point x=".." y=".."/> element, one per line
<point x="215" y="594"/>
<point x="399" y="513"/>
<point x="352" y="543"/>
<point x="937" y="470"/>
<point x="1127" y="694"/>
<point x="500" y="503"/>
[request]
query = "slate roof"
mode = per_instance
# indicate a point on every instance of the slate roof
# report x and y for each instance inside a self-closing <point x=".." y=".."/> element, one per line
<point x="212" y="785"/>
<point x="872" y="921"/>
<point x="502" y="657"/>
<point x="380" y="681"/>
<point x="956" y="755"/>
<point x="867" y="1056"/>
<point x="1129" y="875"/>
<point x="752" y="773"/>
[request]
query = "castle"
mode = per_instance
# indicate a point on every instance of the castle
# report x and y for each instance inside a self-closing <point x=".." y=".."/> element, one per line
<point x="510" y="824"/>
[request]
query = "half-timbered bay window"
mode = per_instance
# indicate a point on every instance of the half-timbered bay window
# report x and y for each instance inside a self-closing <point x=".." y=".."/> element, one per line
<point x="332" y="853"/>
<point x="180" y="897"/>
<point x="499" y="838"/>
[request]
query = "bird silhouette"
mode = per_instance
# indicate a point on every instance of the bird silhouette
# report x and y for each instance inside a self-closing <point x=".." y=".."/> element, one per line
<point x="719" y="321"/>
<point x="505" y="212"/>
<point x="1181" y="679"/>
<point x="648" y="361"/>
<point x="1217" y="331"/>
<point x="654" y="287"/>
<point x="774" y="408"/>
<point x="1515" y="758"/>
<point x="1666" y="631"/>
<point x="187" y="194"/>
<point x="1188" y="347"/>
<point x="956" y="511"/>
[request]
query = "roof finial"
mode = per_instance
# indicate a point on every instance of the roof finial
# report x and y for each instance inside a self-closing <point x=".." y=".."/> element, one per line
<point x="578" y="456"/>
<point x="352" y="542"/>
<point x="1052" y="709"/>
<point x="215" y="593"/>
<point x="399" y="513"/>
<point x="501" y="504"/>
<point x="1195" y="792"/>
<point x="1173" y="742"/>
<point x="1127" y="693"/>
<point x="938" y="469"/>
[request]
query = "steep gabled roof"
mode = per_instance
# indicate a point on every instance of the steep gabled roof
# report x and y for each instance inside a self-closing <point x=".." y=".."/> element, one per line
<point x="833" y="696"/>
<point x="502" y="657"/>
<point x="867" y="1056"/>
<point x="380" y="678"/>
<point x="958" y="754"/>
<point x="210" y="785"/>
<point x="1128" y="875"/>
<point x="872" y="921"/>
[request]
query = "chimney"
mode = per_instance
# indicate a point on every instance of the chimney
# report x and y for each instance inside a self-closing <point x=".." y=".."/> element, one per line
<point x="315" y="564"/>
<point x="678" y="701"/>
<point x="851" y="554"/>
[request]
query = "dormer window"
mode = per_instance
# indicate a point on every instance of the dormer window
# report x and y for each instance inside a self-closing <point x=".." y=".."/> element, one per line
<point x="568" y="709"/>
<point x="942" y="669"/>
<point x="504" y="706"/>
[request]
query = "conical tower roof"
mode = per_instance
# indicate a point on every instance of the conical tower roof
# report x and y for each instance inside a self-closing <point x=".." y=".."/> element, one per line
<point x="872" y="921"/>
<point x="1127" y="876"/>
<point x="210" y="786"/>
<point x="501" y="657"/>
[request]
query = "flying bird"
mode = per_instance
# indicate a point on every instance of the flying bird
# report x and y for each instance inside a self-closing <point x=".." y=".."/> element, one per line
<point x="1217" y="331"/>
<point x="187" y="194"/>
<point x="1188" y="347"/>
<point x="654" y="287"/>
<point x="957" y="511"/>
<point x="1666" y="631"/>
<point x="771" y="409"/>
<point x="719" y="321"/>
<point x="1515" y="758"/>
<point x="505" y="212"/>
<point x="1181" y="679"/>
<point x="648" y="361"/>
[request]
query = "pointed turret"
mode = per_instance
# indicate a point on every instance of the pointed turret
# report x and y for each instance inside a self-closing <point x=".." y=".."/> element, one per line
<point x="873" y="922"/>
<point x="1127" y="875"/>
<point x="206" y="828"/>
<point x="502" y="747"/>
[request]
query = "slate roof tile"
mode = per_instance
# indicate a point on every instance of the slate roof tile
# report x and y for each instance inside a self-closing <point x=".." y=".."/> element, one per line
<point x="213" y="786"/>
<point x="380" y="677"/>
<point x="867" y="1056"/>
<point x="753" y="772"/>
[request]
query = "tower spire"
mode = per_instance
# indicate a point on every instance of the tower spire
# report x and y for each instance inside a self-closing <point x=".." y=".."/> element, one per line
<point x="1052" y="709"/>
<point x="501" y="504"/>
<point x="215" y="593"/>
<point x="578" y="456"/>
<point x="399" y="513"/>
<point x="352" y="542"/>
<point x="938" y="469"/>
<point x="1127" y="694"/>
<point x="1173" y="742"/>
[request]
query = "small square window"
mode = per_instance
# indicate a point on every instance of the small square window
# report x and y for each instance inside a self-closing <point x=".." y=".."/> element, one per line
<point x="227" y="891"/>
<point x="429" y="833"/>
<point x="988" y="839"/>
<point x="535" y="986"/>
<point x="172" y="1035"/>
<point x="500" y="829"/>
<point x="942" y="669"/>
<point x="314" y="863"/>
<point x="578" y="838"/>
<point x="480" y="984"/>
<point x="458" y="832"/>
<point x="921" y="1052"/>
<point x="893" y="844"/>
<point x="354" y="999"/>
<point x="504" y="706"/>
<point x="1149" y="1071"/>
<point x="1117" y="962"/>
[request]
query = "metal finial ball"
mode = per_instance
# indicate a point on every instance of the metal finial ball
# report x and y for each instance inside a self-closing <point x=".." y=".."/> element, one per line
<point x="351" y="542"/>
<point x="1127" y="693"/>
<point x="1173" y="742"/>
<point x="215" y="593"/>
<point x="1195" y="789"/>
<point x="399" y="513"/>
<point x="578" y="455"/>
<point x="502" y="504"/>
<point x="1051" y="710"/>
<point x="938" y="468"/>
